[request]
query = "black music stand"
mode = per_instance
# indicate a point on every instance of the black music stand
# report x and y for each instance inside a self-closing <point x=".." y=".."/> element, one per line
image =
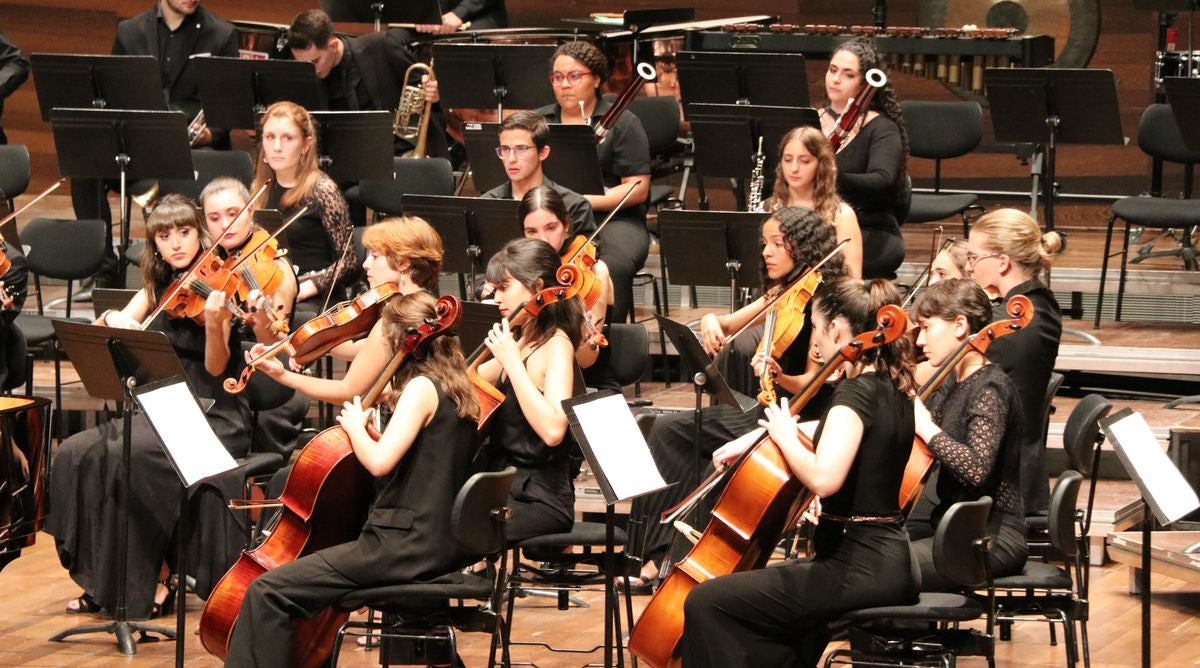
<point x="113" y="363"/>
<point x="1048" y="106"/>
<point x="110" y="299"/>
<point x="97" y="82"/>
<point x="477" y="320"/>
<point x="1184" y="96"/>
<point x="354" y="145"/>
<point x="725" y="137"/>
<point x="692" y="241"/>
<point x="124" y="145"/>
<point x="236" y="91"/>
<point x="473" y="229"/>
<point x="573" y="162"/>
<point x="381" y="11"/>
<point x="518" y="75"/>
<point x="713" y="77"/>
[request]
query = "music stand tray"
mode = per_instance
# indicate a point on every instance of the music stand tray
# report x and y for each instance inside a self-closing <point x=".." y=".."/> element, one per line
<point x="693" y="357"/>
<point x="481" y="140"/>
<point x="726" y="135"/>
<point x="573" y="161"/>
<point x="110" y="299"/>
<point x="693" y="242"/>
<point x="477" y="320"/>
<point x="1184" y="96"/>
<point x="234" y="91"/>
<point x="99" y="82"/>
<point x="355" y="145"/>
<point x="712" y="77"/>
<point x="518" y="75"/>
<point x="472" y="228"/>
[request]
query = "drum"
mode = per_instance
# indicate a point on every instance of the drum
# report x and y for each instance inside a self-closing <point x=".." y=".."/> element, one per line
<point x="1175" y="64"/>
<point x="24" y="472"/>
<point x="261" y="41"/>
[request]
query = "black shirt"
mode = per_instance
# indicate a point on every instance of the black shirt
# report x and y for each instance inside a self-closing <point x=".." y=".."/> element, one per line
<point x="343" y="88"/>
<point x="582" y="220"/>
<point x="174" y="46"/>
<point x="868" y="173"/>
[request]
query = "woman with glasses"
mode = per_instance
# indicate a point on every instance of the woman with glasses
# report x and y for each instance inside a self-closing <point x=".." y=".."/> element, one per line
<point x="1006" y="251"/>
<point x="577" y="71"/>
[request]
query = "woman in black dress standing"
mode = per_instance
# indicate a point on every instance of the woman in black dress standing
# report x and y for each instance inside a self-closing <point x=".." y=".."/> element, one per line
<point x="871" y="176"/>
<point x="85" y="478"/>
<point x="777" y="616"/>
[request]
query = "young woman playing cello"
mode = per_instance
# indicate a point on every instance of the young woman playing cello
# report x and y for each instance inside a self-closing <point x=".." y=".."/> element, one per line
<point x="86" y="471"/>
<point x="776" y="616"/>
<point x="533" y="369"/>
<point x="422" y="459"/>
<point x="973" y="431"/>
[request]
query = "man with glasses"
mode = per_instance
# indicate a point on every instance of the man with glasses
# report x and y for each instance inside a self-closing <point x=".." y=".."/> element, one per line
<point x="523" y="147"/>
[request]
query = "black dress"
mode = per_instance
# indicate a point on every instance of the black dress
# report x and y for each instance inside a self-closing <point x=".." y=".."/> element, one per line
<point x="85" y="489"/>
<point x="407" y="538"/>
<point x="869" y="179"/>
<point x="317" y="241"/>
<point x="776" y="616"/>
<point x="979" y="452"/>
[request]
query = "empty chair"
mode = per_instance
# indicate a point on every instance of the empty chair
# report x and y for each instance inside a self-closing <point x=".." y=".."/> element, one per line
<point x="14" y="172"/>
<point x="425" y="176"/>
<point x="939" y="131"/>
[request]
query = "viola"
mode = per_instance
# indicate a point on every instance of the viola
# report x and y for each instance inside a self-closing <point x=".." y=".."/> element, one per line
<point x="762" y="500"/>
<point x="347" y="321"/>
<point x="785" y="321"/>
<point x="324" y="503"/>
<point x="920" y="462"/>
<point x="581" y="254"/>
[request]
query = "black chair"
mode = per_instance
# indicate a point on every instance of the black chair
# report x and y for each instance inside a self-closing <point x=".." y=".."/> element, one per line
<point x="1159" y="137"/>
<point x="1035" y="524"/>
<point x="410" y="176"/>
<point x="422" y="613"/>
<point x="630" y="345"/>
<point x="1082" y="439"/>
<point x="939" y="131"/>
<point x="960" y="549"/>
<point x="660" y="119"/>
<point x="14" y="172"/>
<point x="1049" y="593"/>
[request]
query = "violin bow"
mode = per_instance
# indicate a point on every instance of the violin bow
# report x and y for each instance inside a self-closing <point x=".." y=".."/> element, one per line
<point x="633" y="186"/>
<point x="247" y="255"/>
<point x="337" y="271"/>
<point x="208" y="252"/>
<point x="31" y="202"/>
<point x="935" y="249"/>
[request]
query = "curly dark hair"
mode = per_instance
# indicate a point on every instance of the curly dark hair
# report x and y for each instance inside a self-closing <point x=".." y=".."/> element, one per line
<point x="859" y="302"/>
<point x="588" y="55"/>
<point x="808" y="238"/>
<point x="884" y="101"/>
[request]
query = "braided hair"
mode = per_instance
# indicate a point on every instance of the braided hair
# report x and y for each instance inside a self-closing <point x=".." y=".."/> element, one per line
<point x="588" y="55"/>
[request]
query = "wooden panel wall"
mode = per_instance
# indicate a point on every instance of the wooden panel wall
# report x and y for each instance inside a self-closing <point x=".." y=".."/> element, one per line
<point x="1127" y="47"/>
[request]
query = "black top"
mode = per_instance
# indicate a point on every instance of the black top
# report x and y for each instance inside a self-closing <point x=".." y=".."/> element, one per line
<point x="483" y="14"/>
<point x="872" y="485"/>
<point x="582" y="220"/>
<point x="317" y="241"/>
<point x="625" y="150"/>
<point x="14" y="70"/>
<point x="979" y="445"/>
<point x="343" y="87"/>
<point x="869" y="172"/>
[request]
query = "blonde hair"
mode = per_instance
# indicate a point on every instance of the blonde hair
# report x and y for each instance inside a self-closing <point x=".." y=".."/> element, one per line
<point x="221" y="184"/>
<point x="308" y="172"/>
<point x="408" y="238"/>
<point x="825" y="198"/>
<point x="441" y="360"/>
<point x="1015" y="234"/>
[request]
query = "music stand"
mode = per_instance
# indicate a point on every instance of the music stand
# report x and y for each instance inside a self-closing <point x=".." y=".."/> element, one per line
<point x="711" y="77"/>
<point x="1049" y="106"/>
<point x="110" y="299"/>
<point x="97" y="82"/>
<point x="236" y="91"/>
<point x="113" y="363"/>
<point x="573" y="162"/>
<point x="473" y="229"/>
<point x="354" y="145"/>
<point x="518" y="75"/>
<point x="1183" y="94"/>
<point x="477" y="320"/>
<point x="691" y="241"/>
<point x="120" y="144"/>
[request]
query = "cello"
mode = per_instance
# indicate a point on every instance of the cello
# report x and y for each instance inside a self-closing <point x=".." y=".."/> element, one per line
<point x="761" y="500"/>
<point x="324" y="503"/>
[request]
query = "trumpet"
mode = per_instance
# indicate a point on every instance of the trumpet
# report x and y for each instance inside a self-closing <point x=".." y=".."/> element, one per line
<point x="196" y="128"/>
<point x="412" y="114"/>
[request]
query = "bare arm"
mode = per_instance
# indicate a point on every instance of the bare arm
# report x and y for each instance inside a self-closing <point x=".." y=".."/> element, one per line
<point x="364" y="369"/>
<point x="414" y="409"/>
<point x="823" y="471"/>
<point x="846" y="224"/>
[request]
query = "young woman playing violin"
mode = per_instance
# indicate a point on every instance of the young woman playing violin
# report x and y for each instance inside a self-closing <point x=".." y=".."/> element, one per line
<point x="776" y="616"/>
<point x="544" y="216"/>
<point x="422" y="458"/>
<point x="86" y="466"/>
<point x="533" y="369"/>
<point x="794" y="239"/>
<point x="974" y="430"/>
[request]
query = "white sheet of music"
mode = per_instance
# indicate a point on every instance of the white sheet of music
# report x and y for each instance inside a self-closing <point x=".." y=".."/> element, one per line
<point x="190" y="442"/>
<point x="619" y="447"/>
<point x="1160" y="482"/>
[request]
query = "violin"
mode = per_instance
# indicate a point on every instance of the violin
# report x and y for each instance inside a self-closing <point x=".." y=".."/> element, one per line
<point x="581" y="254"/>
<point x="261" y="272"/>
<point x="784" y="322"/>
<point x="324" y="503"/>
<point x="920" y="462"/>
<point x="347" y="321"/>
<point x="762" y="500"/>
<point x="6" y="297"/>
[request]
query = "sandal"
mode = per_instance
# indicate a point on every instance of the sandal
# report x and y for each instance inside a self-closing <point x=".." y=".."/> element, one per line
<point x="85" y="603"/>
<point x="167" y="605"/>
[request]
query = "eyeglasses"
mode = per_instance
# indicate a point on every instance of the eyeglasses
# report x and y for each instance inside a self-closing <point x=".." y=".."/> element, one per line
<point x="573" y="78"/>
<point x="973" y="258"/>
<point x="503" y="152"/>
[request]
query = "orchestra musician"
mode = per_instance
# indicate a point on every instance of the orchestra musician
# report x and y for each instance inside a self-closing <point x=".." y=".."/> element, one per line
<point x="974" y="431"/>
<point x="319" y="240"/>
<point x="174" y="32"/>
<point x="777" y="616"/>
<point x="421" y="459"/>
<point x="578" y="70"/>
<point x="794" y="239"/>
<point x="12" y="299"/>
<point x="524" y="146"/>
<point x="871" y="175"/>
<point x="477" y="14"/>
<point x="1006" y="252"/>
<point x="14" y="71"/>
<point x="86" y="468"/>
<point x="950" y="262"/>
<point x="533" y="368"/>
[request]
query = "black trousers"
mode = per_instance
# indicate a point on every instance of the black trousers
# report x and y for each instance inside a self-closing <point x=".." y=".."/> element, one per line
<point x="1006" y="557"/>
<point x="883" y="252"/>
<point x="623" y="246"/>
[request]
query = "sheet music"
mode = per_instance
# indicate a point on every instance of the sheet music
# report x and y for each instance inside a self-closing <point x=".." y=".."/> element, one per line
<point x="189" y="440"/>
<point x="620" y="451"/>
<point x="1161" y="483"/>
